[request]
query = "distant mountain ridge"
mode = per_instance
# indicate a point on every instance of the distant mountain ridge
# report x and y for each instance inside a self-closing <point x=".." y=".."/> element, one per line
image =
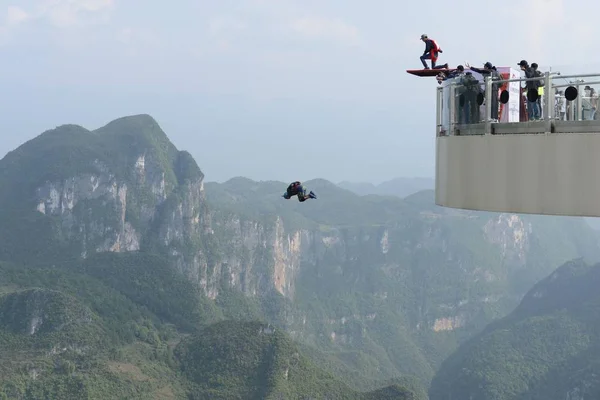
<point x="404" y="186"/>
<point x="400" y="187"/>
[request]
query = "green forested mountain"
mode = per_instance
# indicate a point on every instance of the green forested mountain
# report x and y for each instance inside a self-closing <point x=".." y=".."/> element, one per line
<point x="547" y="348"/>
<point x="402" y="281"/>
<point x="121" y="326"/>
<point x="67" y="335"/>
<point x="250" y="360"/>
<point x="118" y="262"/>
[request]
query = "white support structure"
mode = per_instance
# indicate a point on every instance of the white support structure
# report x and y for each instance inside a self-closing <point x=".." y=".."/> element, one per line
<point x="557" y="174"/>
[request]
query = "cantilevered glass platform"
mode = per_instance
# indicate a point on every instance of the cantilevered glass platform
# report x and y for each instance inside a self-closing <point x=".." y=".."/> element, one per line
<point x="495" y="156"/>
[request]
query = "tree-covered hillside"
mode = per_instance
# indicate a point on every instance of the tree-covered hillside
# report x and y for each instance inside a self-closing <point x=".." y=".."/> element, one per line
<point x="451" y="271"/>
<point x="112" y="327"/>
<point x="547" y="348"/>
<point x="235" y="360"/>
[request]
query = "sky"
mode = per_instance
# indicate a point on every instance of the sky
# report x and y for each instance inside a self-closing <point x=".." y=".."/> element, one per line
<point x="269" y="89"/>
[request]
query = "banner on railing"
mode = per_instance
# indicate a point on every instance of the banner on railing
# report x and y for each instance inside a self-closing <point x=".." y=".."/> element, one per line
<point x="509" y="112"/>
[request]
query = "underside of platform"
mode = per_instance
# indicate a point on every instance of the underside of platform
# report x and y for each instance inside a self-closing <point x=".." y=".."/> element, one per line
<point x="553" y="174"/>
<point x="430" y="72"/>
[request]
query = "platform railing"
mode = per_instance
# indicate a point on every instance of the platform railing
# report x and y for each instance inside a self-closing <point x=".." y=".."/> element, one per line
<point x="565" y="104"/>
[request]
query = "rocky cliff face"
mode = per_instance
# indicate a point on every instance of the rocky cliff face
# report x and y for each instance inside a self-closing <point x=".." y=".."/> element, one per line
<point x="100" y="209"/>
<point x="92" y="209"/>
<point x="261" y="257"/>
<point x="287" y="251"/>
<point x="121" y="188"/>
<point x="441" y="275"/>
<point x="100" y="212"/>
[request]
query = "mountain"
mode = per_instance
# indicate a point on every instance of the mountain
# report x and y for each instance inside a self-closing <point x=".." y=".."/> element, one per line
<point x="400" y="187"/>
<point x="72" y="336"/>
<point x="401" y="282"/>
<point x="546" y="348"/>
<point x="375" y="290"/>
<point x="251" y="360"/>
<point x="92" y="330"/>
<point x="119" y="188"/>
<point x="67" y="335"/>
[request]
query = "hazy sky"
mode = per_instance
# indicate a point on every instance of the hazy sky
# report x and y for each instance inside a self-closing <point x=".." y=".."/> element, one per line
<point x="269" y="89"/>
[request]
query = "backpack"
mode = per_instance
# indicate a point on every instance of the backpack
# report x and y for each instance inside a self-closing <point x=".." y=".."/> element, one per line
<point x="471" y="83"/>
<point x="539" y="83"/>
<point x="293" y="188"/>
<point x="496" y="76"/>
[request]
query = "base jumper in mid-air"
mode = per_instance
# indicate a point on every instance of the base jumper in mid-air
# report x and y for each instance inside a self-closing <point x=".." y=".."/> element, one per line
<point x="296" y="189"/>
<point x="432" y="50"/>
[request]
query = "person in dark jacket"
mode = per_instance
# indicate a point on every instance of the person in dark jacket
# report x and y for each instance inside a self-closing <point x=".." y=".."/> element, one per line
<point x="533" y="110"/>
<point x="296" y="189"/>
<point x="441" y="77"/>
<point x="537" y="72"/>
<point x="468" y="90"/>
<point x="432" y="50"/>
<point x="458" y="72"/>
<point x="490" y="69"/>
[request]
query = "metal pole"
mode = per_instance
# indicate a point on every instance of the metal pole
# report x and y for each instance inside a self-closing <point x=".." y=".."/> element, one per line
<point x="488" y="105"/>
<point x="578" y="110"/>
<point x="438" y="115"/>
<point x="452" y="107"/>
<point x="580" y="76"/>
<point x="548" y="103"/>
<point x="569" y="84"/>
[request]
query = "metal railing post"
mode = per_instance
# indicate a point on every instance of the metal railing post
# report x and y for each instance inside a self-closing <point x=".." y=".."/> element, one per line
<point x="452" y="106"/>
<point x="488" y="105"/>
<point x="438" y="114"/>
<point x="548" y="102"/>
<point x="578" y="106"/>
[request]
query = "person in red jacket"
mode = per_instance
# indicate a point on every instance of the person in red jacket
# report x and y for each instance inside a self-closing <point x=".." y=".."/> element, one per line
<point x="432" y="50"/>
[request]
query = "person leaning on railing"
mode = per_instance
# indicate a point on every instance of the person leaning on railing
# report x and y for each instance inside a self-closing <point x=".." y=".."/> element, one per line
<point x="490" y="69"/>
<point x="533" y="111"/>
<point x="469" y="89"/>
<point x="442" y="76"/>
<point x="537" y="73"/>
